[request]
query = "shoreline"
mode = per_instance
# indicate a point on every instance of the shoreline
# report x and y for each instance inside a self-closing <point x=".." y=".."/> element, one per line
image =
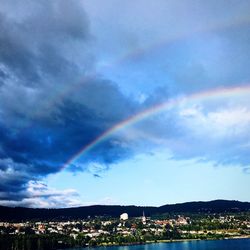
<point x="183" y="240"/>
<point x="162" y="241"/>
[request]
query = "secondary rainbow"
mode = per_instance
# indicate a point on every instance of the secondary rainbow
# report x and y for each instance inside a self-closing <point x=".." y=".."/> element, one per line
<point x="137" y="52"/>
<point x="200" y="96"/>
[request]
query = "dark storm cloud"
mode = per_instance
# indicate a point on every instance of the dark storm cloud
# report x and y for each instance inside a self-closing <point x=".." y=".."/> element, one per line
<point x="32" y="40"/>
<point x="49" y="107"/>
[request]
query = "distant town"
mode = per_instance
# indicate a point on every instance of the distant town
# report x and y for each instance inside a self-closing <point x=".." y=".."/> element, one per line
<point x="125" y="230"/>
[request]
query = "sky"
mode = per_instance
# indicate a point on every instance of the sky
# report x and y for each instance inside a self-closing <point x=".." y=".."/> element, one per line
<point x="124" y="102"/>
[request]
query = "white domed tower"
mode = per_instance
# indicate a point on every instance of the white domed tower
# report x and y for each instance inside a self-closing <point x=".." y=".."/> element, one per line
<point x="124" y="216"/>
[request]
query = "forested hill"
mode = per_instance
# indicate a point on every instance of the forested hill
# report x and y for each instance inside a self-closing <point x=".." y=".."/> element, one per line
<point x="216" y="206"/>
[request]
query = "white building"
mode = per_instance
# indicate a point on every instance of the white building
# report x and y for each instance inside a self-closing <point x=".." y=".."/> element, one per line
<point x="124" y="216"/>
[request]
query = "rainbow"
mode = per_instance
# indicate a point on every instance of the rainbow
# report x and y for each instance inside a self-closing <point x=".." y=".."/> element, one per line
<point x="158" y="44"/>
<point x="131" y="54"/>
<point x="222" y="92"/>
<point x="136" y="53"/>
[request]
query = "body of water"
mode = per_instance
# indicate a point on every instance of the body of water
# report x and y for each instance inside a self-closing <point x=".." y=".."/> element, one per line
<point x="232" y="244"/>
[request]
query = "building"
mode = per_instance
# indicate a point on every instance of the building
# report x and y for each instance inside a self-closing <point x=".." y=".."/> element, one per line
<point x="124" y="216"/>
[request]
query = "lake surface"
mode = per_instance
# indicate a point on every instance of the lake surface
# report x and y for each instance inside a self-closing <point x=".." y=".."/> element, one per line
<point x="232" y="244"/>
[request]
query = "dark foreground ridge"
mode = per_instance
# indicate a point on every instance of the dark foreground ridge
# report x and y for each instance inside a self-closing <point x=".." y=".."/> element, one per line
<point x="216" y="206"/>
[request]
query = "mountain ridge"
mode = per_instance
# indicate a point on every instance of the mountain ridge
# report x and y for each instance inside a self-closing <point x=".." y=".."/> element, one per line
<point x="214" y="206"/>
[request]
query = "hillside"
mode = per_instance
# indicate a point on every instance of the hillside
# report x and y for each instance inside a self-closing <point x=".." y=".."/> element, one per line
<point x="216" y="206"/>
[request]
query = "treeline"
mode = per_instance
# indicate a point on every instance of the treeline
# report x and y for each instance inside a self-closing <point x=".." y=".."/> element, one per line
<point x="35" y="242"/>
<point x="57" y="241"/>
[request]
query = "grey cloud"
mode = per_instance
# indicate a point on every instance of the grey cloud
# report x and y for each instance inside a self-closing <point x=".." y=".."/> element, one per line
<point x="51" y="101"/>
<point x="205" y="131"/>
<point x="39" y="194"/>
